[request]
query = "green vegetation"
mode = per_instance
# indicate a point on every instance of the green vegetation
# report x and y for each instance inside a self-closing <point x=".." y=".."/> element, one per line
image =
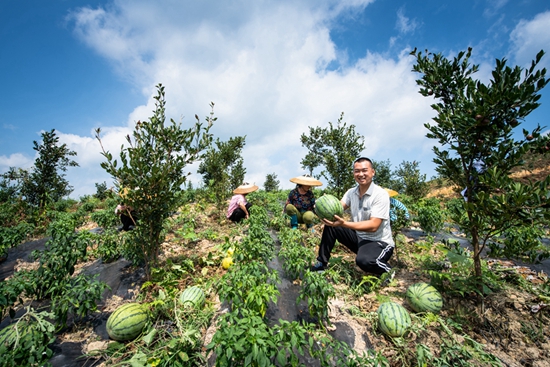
<point x="474" y="127"/>
<point x="333" y="148"/>
<point x="46" y="183"/>
<point x="271" y="183"/>
<point x="181" y="240"/>
<point x="222" y="169"/>
<point x="152" y="169"/>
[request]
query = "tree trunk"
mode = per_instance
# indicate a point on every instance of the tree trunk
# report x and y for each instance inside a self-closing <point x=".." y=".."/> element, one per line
<point x="478" y="274"/>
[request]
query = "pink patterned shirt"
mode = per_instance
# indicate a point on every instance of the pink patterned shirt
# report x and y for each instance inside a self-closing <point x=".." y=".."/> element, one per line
<point x="236" y="200"/>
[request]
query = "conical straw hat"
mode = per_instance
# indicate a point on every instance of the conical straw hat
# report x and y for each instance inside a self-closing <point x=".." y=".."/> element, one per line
<point x="306" y="180"/>
<point x="245" y="188"/>
<point x="391" y="192"/>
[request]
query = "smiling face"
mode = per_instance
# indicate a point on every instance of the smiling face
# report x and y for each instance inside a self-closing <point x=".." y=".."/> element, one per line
<point x="363" y="173"/>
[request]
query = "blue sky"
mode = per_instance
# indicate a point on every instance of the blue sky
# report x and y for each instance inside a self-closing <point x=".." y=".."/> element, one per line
<point x="272" y="67"/>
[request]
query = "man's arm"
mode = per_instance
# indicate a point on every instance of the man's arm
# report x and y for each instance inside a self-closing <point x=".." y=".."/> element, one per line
<point x="370" y="225"/>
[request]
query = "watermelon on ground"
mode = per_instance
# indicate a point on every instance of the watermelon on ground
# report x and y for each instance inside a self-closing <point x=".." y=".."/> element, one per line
<point x="327" y="206"/>
<point x="393" y="319"/>
<point x="127" y="322"/>
<point x="423" y="297"/>
<point x="194" y="296"/>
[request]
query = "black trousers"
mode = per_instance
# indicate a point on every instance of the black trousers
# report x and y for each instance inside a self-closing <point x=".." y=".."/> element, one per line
<point x="127" y="221"/>
<point x="372" y="256"/>
<point x="239" y="214"/>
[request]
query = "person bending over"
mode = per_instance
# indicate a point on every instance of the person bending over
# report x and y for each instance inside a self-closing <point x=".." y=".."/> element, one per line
<point x="238" y="206"/>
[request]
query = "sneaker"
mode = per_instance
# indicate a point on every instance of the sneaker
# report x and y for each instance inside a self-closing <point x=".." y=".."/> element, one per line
<point x="319" y="266"/>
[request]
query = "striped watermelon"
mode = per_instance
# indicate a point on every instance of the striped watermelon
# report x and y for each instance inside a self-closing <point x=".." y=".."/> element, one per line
<point x="327" y="206"/>
<point x="393" y="319"/>
<point x="127" y="322"/>
<point x="423" y="297"/>
<point x="193" y="295"/>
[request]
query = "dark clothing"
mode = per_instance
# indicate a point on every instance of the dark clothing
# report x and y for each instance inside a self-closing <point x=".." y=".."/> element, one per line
<point x="304" y="202"/>
<point x="239" y="214"/>
<point x="127" y="222"/>
<point x="125" y="219"/>
<point x="372" y="256"/>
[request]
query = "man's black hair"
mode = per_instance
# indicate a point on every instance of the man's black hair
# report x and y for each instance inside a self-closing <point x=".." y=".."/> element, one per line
<point x="360" y="159"/>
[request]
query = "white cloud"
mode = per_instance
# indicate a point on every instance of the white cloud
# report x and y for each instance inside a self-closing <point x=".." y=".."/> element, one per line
<point x="15" y="160"/>
<point x="529" y="37"/>
<point x="263" y="64"/>
<point x="493" y="7"/>
<point x="404" y="24"/>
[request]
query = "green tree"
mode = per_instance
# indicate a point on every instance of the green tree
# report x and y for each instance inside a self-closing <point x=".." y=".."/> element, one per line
<point x="237" y="174"/>
<point x="313" y="158"/>
<point x="11" y="183"/>
<point x="334" y="148"/>
<point x="46" y="181"/>
<point x="409" y="180"/>
<point x="474" y="127"/>
<point x="222" y="167"/>
<point x="101" y="190"/>
<point x="383" y="173"/>
<point x="271" y="183"/>
<point x="152" y="168"/>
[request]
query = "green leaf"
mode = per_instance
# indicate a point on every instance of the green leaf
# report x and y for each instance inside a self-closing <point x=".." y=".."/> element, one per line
<point x="148" y="339"/>
<point x="138" y="360"/>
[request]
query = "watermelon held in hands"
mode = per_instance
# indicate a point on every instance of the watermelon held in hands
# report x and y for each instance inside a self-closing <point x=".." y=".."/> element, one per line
<point x="193" y="296"/>
<point x="127" y="322"/>
<point x="393" y="319"/>
<point x="423" y="297"/>
<point x="327" y="206"/>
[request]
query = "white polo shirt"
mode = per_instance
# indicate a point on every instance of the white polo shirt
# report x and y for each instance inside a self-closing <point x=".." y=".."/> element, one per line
<point x="374" y="203"/>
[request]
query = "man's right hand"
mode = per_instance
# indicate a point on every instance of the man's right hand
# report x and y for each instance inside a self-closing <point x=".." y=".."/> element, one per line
<point x="337" y="222"/>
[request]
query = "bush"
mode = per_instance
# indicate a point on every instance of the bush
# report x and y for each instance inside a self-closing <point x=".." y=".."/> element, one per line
<point x="109" y="245"/>
<point x="431" y="216"/>
<point x="521" y="243"/>
<point x="13" y="236"/>
<point x="105" y="218"/>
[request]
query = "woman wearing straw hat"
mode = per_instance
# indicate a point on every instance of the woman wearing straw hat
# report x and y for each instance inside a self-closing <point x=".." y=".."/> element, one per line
<point x="301" y="201"/>
<point x="128" y="216"/>
<point x="238" y="206"/>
